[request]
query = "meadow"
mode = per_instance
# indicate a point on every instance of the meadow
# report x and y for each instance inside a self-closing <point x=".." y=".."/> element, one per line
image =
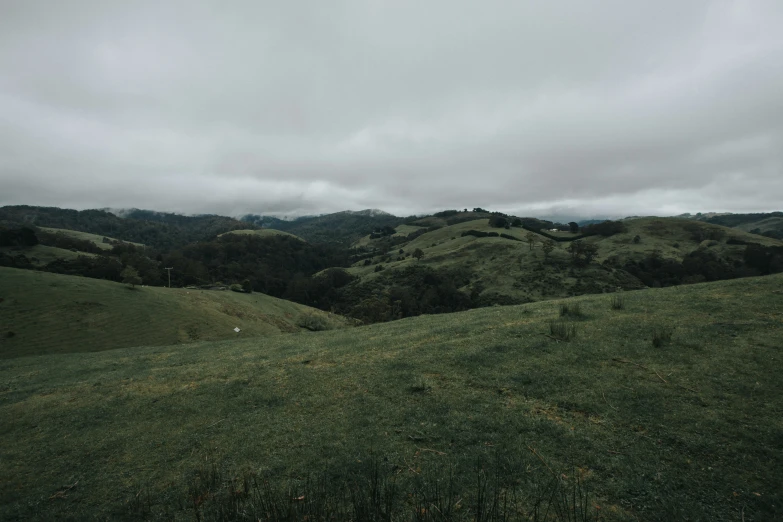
<point x="658" y="404"/>
<point x="44" y="313"/>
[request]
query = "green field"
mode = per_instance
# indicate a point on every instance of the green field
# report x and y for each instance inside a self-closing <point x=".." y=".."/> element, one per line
<point x="690" y="428"/>
<point x="44" y="313"/>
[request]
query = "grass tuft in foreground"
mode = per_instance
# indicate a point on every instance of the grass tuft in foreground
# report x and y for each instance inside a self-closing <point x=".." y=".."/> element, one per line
<point x="617" y="302"/>
<point x="508" y="487"/>
<point x="562" y="330"/>
<point x="572" y="309"/>
<point x="661" y="336"/>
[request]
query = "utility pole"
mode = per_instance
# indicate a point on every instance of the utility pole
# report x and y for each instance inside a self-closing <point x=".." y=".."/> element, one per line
<point x="169" y="269"/>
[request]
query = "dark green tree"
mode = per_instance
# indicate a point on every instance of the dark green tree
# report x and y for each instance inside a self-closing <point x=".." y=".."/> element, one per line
<point x="547" y="246"/>
<point x="130" y="277"/>
<point x="531" y="239"/>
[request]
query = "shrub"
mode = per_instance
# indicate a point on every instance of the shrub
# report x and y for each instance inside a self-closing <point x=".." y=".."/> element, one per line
<point x="498" y="222"/>
<point x="661" y="335"/>
<point x="637" y="239"/>
<point x="547" y="246"/>
<point x="736" y="241"/>
<point x="700" y="232"/>
<point x="236" y="287"/>
<point x="313" y="322"/>
<point x="446" y="213"/>
<point x="618" y="302"/>
<point x="18" y="237"/>
<point x="606" y="229"/>
<point x="130" y="277"/>
<point x="562" y="330"/>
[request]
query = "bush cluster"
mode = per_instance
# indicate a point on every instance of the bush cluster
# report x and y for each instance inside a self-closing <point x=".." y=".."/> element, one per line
<point x="606" y="229"/>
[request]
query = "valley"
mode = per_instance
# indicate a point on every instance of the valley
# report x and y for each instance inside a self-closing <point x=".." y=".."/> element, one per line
<point x="625" y="371"/>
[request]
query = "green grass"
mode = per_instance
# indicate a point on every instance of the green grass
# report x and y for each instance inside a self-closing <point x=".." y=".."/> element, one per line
<point x="689" y="430"/>
<point x="52" y="313"/>
<point x="264" y="232"/>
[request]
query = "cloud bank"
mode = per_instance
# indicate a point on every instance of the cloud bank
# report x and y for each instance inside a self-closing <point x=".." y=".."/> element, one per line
<point x="577" y="107"/>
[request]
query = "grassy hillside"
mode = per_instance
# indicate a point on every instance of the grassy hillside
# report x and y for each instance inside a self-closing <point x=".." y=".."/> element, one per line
<point x="768" y="225"/>
<point x="501" y="268"/>
<point x="41" y="255"/>
<point x="339" y="228"/>
<point x="401" y="231"/>
<point x="86" y="236"/>
<point x="674" y="238"/>
<point x="441" y="407"/>
<point x="43" y="313"/>
<point x="159" y="230"/>
<point x="497" y="266"/>
<point x="264" y="232"/>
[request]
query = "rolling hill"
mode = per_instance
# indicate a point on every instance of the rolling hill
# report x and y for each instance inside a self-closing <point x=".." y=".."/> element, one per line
<point x="339" y="228"/>
<point x="262" y="232"/>
<point x="513" y="268"/>
<point x="664" y="405"/>
<point x="43" y="313"/>
<point x="96" y="239"/>
<point x="674" y="238"/>
<point x="41" y="255"/>
<point x="492" y="266"/>
<point x="159" y="230"/>
<point x="767" y="224"/>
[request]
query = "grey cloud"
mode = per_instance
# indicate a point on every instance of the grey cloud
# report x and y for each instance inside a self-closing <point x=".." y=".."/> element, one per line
<point x="305" y="107"/>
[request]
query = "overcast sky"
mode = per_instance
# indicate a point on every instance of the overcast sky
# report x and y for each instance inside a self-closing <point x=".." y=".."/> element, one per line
<point x="575" y="107"/>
